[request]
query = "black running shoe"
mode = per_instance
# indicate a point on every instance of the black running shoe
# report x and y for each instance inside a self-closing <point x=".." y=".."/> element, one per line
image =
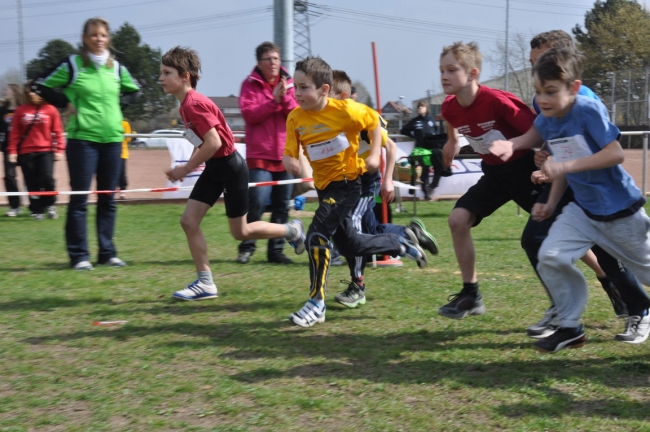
<point x="462" y="304"/>
<point x="352" y="296"/>
<point x="564" y="337"/>
<point x="425" y="238"/>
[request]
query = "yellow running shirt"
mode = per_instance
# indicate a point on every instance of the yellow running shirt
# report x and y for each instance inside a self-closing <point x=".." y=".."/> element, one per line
<point x="330" y="139"/>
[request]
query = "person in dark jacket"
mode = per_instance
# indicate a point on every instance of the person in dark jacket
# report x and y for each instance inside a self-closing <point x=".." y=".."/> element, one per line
<point x="426" y="152"/>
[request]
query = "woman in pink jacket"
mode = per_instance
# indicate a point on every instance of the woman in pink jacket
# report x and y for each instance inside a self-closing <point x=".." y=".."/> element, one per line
<point x="266" y="99"/>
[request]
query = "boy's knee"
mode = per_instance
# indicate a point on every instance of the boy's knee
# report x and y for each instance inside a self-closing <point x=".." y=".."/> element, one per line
<point x="238" y="235"/>
<point x="459" y="220"/>
<point x="188" y="223"/>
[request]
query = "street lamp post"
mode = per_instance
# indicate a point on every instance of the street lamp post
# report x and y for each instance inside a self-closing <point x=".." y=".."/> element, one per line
<point x="401" y="111"/>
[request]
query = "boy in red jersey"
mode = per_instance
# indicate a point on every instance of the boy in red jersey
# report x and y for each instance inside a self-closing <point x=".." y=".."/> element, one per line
<point x="482" y="115"/>
<point x="225" y="172"/>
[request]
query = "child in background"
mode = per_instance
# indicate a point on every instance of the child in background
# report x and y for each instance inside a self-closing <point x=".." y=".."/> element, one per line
<point x="328" y="132"/>
<point x="31" y="145"/>
<point x="225" y="172"/>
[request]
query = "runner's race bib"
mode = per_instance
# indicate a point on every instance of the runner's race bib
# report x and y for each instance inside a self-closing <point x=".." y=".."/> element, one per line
<point x="571" y="148"/>
<point x="483" y="143"/>
<point x="326" y="149"/>
<point x="192" y="137"/>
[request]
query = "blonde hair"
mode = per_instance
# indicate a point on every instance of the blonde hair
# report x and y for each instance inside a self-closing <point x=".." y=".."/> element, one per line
<point x="341" y="82"/>
<point x="92" y="22"/>
<point x="467" y="55"/>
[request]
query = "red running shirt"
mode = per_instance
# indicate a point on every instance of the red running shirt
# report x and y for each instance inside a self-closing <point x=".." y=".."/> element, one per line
<point x="200" y="114"/>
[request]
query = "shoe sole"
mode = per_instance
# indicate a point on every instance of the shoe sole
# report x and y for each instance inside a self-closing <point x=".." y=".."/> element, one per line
<point x="194" y="299"/>
<point x="634" y="341"/>
<point x="434" y="244"/>
<point x="351" y="305"/>
<point x="423" y="262"/>
<point x="566" y="344"/>
<point x="476" y="311"/>
<point x="307" y="325"/>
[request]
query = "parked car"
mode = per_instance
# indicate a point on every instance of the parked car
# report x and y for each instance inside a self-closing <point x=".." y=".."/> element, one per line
<point x="156" y="142"/>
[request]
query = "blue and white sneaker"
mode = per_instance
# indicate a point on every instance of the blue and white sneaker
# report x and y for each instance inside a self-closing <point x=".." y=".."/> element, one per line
<point x="298" y="243"/>
<point x="413" y="250"/>
<point x="197" y="290"/>
<point x="309" y="315"/>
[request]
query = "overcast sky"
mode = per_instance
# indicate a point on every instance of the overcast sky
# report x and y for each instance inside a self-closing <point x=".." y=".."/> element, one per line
<point x="409" y="34"/>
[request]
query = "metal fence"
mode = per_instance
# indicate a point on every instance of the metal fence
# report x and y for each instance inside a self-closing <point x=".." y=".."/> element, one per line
<point x="627" y="100"/>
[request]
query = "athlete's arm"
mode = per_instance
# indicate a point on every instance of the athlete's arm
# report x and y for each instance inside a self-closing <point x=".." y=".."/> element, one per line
<point x="387" y="189"/>
<point x="372" y="161"/>
<point x="452" y="147"/>
<point x="211" y="144"/>
<point x="505" y="149"/>
<point x="292" y="165"/>
<point x="610" y="155"/>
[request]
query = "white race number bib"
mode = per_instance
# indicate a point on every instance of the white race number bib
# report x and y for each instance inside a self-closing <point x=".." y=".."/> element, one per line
<point x="571" y="148"/>
<point x="326" y="149"/>
<point x="192" y="137"/>
<point x="483" y="143"/>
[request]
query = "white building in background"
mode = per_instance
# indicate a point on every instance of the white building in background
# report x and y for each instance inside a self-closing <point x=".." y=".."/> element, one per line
<point x="229" y="106"/>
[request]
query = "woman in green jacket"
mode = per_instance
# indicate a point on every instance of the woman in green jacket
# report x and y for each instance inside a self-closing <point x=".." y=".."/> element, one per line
<point x="92" y="86"/>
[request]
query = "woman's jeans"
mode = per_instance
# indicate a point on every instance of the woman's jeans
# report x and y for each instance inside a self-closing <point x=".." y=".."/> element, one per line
<point x="85" y="159"/>
<point x="275" y="197"/>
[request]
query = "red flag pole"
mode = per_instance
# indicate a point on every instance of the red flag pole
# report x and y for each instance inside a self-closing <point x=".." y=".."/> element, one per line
<point x="386" y="260"/>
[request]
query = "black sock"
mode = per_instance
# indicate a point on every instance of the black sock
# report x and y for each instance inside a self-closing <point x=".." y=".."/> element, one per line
<point x="470" y="288"/>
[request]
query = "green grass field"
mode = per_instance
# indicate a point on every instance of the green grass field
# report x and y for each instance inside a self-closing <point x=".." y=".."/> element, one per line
<point x="236" y="364"/>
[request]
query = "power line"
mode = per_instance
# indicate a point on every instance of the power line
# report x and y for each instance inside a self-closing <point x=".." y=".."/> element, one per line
<point x="89" y="10"/>
<point x="165" y="25"/>
<point x="55" y="3"/>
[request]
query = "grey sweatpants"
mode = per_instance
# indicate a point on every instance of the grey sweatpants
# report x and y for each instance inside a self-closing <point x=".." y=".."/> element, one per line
<point x="570" y="237"/>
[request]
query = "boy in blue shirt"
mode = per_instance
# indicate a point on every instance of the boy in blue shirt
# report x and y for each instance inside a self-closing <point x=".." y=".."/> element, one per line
<point x="608" y="207"/>
<point x="625" y="293"/>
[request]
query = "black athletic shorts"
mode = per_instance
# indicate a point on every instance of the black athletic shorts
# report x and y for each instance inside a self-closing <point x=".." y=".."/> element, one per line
<point x="500" y="184"/>
<point x="227" y="175"/>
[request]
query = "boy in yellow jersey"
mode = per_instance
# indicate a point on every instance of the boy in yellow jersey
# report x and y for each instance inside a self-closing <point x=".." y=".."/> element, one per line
<point x="363" y="215"/>
<point x="328" y="132"/>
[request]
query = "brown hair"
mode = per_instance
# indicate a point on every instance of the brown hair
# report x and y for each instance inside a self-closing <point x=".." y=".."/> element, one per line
<point x="552" y="39"/>
<point x="92" y="22"/>
<point x="341" y="82"/>
<point x="423" y="104"/>
<point x="265" y="47"/>
<point x="563" y="65"/>
<point x="19" y="94"/>
<point x="467" y="55"/>
<point x="184" y="60"/>
<point x="317" y="70"/>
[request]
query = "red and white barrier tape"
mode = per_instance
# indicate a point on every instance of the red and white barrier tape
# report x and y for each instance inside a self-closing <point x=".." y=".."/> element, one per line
<point x="165" y="189"/>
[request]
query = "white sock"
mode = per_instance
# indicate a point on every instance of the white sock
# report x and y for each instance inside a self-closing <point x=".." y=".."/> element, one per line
<point x="205" y="277"/>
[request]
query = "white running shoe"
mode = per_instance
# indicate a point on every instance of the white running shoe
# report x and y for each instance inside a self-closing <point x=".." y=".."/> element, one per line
<point x="51" y="213"/>
<point x="13" y="212"/>
<point x="114" y="262"/>
<point x="83" y="265"/>
<point x="197" y="290"/>
<point x="637" y="329"/>
<point x="298" y="243"/>
<point x="309" y="315"/>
